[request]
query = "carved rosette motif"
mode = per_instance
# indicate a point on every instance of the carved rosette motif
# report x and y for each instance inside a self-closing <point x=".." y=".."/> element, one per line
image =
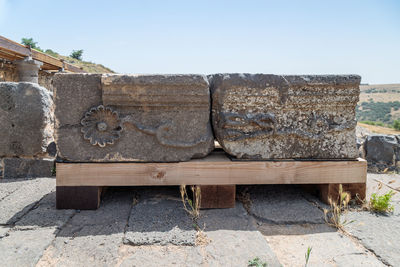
<point x="101" y="126"/>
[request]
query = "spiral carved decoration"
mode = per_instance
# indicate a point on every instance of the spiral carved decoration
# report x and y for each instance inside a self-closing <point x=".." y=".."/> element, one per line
<point x="101" y="126"/>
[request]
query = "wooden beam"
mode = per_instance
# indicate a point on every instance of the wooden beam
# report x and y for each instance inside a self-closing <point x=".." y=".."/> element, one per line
<point x="9" y="45"/>
<point x="46" y="59"/>
<point x="71" y="68"/>
<point x="216" y="169"/>
<point x="217" y="196"/>
<point x="81" y="197"/>
<point x="11" y="50"/>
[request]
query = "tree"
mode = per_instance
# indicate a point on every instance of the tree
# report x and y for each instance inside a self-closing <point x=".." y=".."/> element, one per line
<point x="77" y="54"/>
<point x="32" y="44"/>
<point x="396" y="124"/>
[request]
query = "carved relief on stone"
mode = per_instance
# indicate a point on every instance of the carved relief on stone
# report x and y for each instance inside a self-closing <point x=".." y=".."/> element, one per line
<point x="246" y="126"/>
<point x="132" y="118"/>
<point x="101" y="126"/>
<point x="263" y="116"/>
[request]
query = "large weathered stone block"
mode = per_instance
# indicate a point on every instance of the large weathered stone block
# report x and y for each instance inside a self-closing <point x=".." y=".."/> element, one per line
<point x="264" y="116"/>
<point x="26" y="119"/>
<point x="132" y="117"/>
<point x="27" y="168"/>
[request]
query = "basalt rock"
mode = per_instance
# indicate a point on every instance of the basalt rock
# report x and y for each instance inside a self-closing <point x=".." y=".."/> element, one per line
<point x="264" y="116"/>
<point x="149" y="118"/>
<point x="26" y="119"/>
<point x="382" y="149"/>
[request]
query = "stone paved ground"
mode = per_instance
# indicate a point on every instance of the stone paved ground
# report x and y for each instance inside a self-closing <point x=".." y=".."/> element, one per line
<point x="148" y="227"/>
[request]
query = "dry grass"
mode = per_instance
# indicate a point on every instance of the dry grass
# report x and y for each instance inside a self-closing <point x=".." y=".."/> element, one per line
<point x="192" y="207"/>
<point x="379" y="129"/>
<point x="334" y="215"/>
<point x="202" y="239"/>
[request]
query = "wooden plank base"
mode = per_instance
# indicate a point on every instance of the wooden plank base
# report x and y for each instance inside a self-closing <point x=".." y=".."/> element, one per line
<point x="78" y="197"/>
<point x="78" y="184"/>
<point x="215" y="169"/>
<point x="218" y="196"/>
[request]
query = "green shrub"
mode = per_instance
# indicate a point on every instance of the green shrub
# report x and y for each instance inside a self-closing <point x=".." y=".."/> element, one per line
<point x="77" y="54"/>
<point x="256" y="262"/>
<point x="396" y="125"/>
<point x="368" y="122"/>
<point x="32" y="44"/>
<point x="381" y="203"/>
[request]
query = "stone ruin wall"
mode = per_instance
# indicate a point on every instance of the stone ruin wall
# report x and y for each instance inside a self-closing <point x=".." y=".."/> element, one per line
<point x="170" y="118"/>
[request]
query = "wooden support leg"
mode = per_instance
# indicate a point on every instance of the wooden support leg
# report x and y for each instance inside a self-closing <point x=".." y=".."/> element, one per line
<point x="327" y="191"/>
<point x="78" y="197"/>
<point x="218" y="196"/>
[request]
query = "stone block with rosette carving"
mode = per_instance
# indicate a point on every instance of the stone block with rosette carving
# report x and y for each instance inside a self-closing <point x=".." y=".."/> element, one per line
<point x="117" y="118"/>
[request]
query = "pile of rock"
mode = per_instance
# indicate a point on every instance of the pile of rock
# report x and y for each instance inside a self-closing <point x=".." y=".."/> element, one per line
<point x="381" y="151"/>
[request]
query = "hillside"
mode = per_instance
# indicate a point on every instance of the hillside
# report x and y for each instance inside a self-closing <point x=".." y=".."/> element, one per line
<point x="379" y="103"/>
<point x="89" y="67"/>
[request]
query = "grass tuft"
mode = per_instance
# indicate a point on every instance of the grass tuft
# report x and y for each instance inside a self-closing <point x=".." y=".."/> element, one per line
<point x="256" y="262"/>
<point x="381" y="203"/>
<point x="307" y="255"/>
<point x="192" y="207"/>
<point x="333" y="216"/>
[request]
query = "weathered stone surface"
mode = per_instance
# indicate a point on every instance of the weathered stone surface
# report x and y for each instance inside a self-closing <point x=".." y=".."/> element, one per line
<point x="378" y="233"/>
<point x="24" y="248"/>
<point x="132" y="118"/>
<point x="26" y="119"/>
<point x="27" y="168"/>
<point x="18" y="203"/>
<point x="45" y="214"/>
<point x="381" y="149"/>
<point x="159" y="221"/>
<point x="28" y="70"/>
<point x="329" y="248"/>
<point x="3" y="231"/>
<point x="92" y="237"/>
<point x="264" y="116"/>
<point x="283" y="205"/>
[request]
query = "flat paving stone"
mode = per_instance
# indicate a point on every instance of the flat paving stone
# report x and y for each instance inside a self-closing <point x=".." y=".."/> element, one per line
<point x="225" y="248"/>
<point x="237" y="247"/>
<point x="160" y="219"/>
<point x="234" y="239"/>
<point x="25" y="248"/>
<point x="282" y="204"/>
<point x="92" y="238"/>
<point x="94" y="245"/>
<point x="18" y="203"/>
<point x="235" y="218"/>
<point x="329" y="248"/>
<point x="157" y="255"/>
<point x="378" y="233"/>
<point x="45" y="214"/>
<point x="9" y="186"/>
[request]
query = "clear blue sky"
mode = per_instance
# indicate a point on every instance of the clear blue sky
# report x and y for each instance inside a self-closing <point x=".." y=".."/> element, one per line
<point x="280" y="37"/>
